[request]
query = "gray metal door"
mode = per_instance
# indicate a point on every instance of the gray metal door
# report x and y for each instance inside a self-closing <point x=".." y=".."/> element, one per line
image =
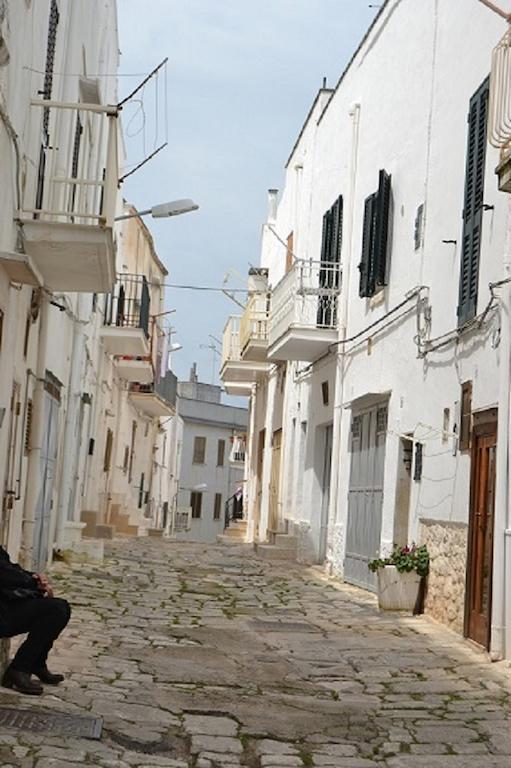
<point x="325" y="493"/>
<point x="47" y="468"/>
<point x="363" y="532"/>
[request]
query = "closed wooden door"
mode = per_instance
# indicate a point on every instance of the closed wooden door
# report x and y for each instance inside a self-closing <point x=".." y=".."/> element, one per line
<point x="480" y="560"/>
<point x="273" y="522"/>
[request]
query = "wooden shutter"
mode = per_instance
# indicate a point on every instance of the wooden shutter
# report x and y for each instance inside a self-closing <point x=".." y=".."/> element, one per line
<point x="199" y="450"/>
<point x="218" y="506"/>
<point x="366" y="286"/>
<point x="46" y="94"/>
<point x="107" y="459"/>
<point x="381" y="233"/>
<point x="220" y="455"/>
<point x="196" y="504"/>
<point x="466" y="416"/>
<point x="473" y="203"/>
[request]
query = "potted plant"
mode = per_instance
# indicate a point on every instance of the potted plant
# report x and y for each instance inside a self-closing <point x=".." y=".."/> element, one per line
<point x="400" y="578"/>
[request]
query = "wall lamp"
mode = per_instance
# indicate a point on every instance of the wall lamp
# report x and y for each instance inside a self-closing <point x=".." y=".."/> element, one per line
<point x="164" y="210"/>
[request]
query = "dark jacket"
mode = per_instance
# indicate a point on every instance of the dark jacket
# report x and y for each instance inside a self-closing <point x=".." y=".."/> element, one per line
<point x="15" y="582"/>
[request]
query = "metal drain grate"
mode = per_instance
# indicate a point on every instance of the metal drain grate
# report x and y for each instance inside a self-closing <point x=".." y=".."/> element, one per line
<point x="51" y="722"/>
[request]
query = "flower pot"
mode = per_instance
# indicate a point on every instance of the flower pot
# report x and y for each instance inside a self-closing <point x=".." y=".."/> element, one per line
<point x="397" y="591"/>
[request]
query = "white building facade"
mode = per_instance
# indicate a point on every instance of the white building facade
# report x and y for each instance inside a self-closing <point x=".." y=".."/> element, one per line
<point x="382" y="372"/>
<point x="69" y="391"/>
<point x="212" y="459"/>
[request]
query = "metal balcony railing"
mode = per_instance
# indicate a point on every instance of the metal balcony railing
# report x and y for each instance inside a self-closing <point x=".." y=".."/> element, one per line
<point x="306" y="297"/>
<point x="84" y="192"/>
<point x="127" y="306"/>
<point x="254" y="321"/>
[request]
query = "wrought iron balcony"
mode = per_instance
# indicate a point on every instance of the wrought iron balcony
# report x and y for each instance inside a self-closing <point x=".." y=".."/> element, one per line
<point x="126" y="324"/>
<point x="254" y="328"/>
<point x="303" y="316"/>
<point x="237" y="374"/>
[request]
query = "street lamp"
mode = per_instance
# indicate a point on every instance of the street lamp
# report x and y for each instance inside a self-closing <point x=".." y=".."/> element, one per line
<point x="164" y="210"/>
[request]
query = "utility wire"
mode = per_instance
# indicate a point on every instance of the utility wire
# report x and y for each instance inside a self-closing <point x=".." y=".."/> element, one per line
<point x="200" y="288"/>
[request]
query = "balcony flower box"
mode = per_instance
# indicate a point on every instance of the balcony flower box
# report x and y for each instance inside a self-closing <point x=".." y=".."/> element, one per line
<point x="401" y="579"/>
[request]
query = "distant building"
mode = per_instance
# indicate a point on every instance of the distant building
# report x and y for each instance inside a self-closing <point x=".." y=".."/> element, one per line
<point x="212" y="457"/>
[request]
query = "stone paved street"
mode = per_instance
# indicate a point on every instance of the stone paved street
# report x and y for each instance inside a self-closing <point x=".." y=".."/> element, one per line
<point x="211" y="658"/>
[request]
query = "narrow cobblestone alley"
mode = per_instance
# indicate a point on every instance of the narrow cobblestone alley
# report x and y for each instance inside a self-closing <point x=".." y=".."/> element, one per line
<point x="208" y="657"/>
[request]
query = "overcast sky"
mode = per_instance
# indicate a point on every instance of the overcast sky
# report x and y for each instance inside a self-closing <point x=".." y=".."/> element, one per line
<point x="241" y="78"/>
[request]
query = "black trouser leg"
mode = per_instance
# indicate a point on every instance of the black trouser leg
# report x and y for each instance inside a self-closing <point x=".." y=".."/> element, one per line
<point x="44" y="619"/>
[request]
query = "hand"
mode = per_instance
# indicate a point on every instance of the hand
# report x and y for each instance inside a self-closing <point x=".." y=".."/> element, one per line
<point x="44" y="584"/>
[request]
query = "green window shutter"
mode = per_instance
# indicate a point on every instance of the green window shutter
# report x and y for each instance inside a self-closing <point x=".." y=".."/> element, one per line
<point x="337" y="213"/>
<point x="473" y="203"/>
<point x="381" y="233"/>
<point x="366" y="285"/>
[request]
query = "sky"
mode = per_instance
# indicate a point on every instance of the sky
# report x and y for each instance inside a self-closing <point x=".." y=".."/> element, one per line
<point x="241" y="78"/>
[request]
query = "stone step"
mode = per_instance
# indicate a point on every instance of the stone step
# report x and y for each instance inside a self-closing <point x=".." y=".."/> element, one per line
<point x="271" y="552"/>
<point x="121" y="520"/>
<point x="155" y="533"/>
<point x="105" y="531"/>
<point x="231" y="540"/>
<point x="89" y="517"/>
<point x="285" y="541"/>
<point x="235" y="533"/>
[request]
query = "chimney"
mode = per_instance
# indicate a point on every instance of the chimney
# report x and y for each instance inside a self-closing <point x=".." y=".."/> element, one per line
<point x="272" y="205"/>
<point x="193" y="373"/>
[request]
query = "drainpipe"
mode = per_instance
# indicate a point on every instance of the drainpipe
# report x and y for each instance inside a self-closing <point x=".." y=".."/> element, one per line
<point x="250" y="475"/>
<point x="500" y="646"/>
<point x="354" y="115"/>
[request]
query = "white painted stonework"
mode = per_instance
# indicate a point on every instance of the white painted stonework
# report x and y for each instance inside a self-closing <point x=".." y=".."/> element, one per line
<point x="401" y="105"/>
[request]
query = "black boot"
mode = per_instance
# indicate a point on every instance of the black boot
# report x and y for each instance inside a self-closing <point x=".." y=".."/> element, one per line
<point x="47" y="677"/>
<point x="21" y="681"/>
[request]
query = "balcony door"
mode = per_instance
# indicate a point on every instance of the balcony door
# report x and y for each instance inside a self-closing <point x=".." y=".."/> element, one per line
<point x="329" y="267"/>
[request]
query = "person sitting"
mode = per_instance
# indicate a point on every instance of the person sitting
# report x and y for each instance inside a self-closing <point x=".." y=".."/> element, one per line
<point x="27" y="605"/>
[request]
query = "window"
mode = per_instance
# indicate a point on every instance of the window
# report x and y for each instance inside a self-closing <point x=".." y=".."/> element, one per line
<point x="196" y="504"/>
<point x="199" y="450"/>
<point x="331" y="247"/>
<point x="107" y="459"/>
<point x="218" y="506"/>
<point x="473" y="203"/>
<point x="324" y="392"/>
<point x="373" y="264"/>
<point x="220" y="456"/>
<point x="126" y="460"/>
<point x="132" y="450"/>
<point x="28" y="323"/>
<point x="466" y="415"/>
<point x="141" y="491"/>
